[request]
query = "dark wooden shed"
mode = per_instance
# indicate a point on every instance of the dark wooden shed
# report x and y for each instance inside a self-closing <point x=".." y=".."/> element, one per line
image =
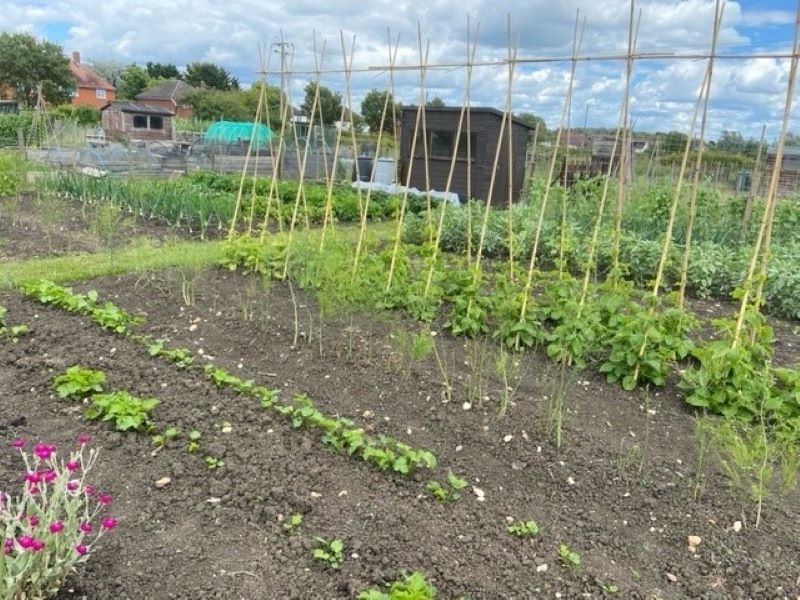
<point x="789" y="177"/>
<point x="441" y="128"/>
<point x="136" y="121"/>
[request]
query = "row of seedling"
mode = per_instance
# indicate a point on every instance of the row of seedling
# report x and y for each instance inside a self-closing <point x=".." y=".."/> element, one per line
<point x="341" y="434"/>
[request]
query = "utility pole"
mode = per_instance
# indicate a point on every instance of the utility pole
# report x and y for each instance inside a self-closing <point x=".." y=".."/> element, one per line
<point x="285" y="50"/>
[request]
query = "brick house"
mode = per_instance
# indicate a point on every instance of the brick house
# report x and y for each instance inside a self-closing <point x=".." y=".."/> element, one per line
<point x="126" y="120"/>
<point x="169" y="95"/>
<point x="90" y="88"/>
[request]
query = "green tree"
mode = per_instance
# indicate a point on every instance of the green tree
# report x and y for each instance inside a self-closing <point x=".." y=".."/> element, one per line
<point x="329" y="104"/>
<point x="273" y="104"/>
<point x="26" y="63"/>
<point x="533" y="121"/>
<point x="165" y="71"/>
<point x="134" y="80"/>
<point x="674" y="141"/>
<point x="211" y="76"/>
<point x="110" y="70"/>
<point x="372" y="110"/>
<point x="435" y="102"/>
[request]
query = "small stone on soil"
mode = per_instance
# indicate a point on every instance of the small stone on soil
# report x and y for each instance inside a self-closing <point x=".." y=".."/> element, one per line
<point x="163" y="482"/>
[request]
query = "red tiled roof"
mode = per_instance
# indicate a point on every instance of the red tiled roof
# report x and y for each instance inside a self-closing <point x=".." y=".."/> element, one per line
<point x="85" y="77"/>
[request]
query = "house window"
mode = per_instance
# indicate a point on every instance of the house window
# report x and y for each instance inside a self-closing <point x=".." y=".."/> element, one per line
<point x="139" y="122"/>
<point x="100" y="93"/>
<point x="442" y="143"/>
<point x="156" y="122"/>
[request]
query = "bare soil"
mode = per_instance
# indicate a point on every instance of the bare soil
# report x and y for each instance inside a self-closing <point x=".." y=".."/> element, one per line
<point x="620" y="491"/>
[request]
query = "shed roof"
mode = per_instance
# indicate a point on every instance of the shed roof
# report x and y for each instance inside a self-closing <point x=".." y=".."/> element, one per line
<point x="473" y="111"/>
<point x="170" y="89"/>
<point x="84" y="76"/>
<point x="128" y="106"/>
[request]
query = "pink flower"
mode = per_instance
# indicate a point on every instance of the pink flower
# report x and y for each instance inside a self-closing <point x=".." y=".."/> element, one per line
<point x="81" y="549"/>
<point x="33" y="520"/>
<point x="43" y="451"/>
<point x="85" y="527"/>
<point x="73" y="485"/>
<point x="17" y="443"/>
<point x="56" y="527"/>
<point x="89" y="489"/>
<point x="33" y="489"/>
<point x="104" y="499"/>
<point x="8" y="546"/>
<point x="37" y="545"/>
<point x="72" y="465"/>
<point x="32" y="477"/>
<point x="83" y="439"/>
<point x="25" y="541"/>
<point x="108" y="523"/>
<point x="48" y="475"/>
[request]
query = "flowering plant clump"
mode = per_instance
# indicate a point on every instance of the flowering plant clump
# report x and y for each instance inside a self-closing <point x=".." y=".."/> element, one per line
<point x="54" y="524"/>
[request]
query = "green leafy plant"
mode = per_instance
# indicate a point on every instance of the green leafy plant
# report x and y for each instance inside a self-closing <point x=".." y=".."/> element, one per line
<point x="10" y="331"/>
<point x="170" y="433"/>
<point x="292" y="523"/>
<point x="411" y="586"/>
<point x="54" y="524"/>
<point x="78" y="382"/>
<point x="193" y="443"/>
<point x="182" y="357"/>
<point x="213" y="462"/>
<point x="451" y="491"/>
<point x="469" y="306"/>
<point x="568" y="557"/>
<point x="329" y="551"/>
<point x="523" y="528"/>
<point x="127" y="412"/>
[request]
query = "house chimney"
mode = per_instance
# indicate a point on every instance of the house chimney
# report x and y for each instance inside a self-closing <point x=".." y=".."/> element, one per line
<point x="76" y="57"/>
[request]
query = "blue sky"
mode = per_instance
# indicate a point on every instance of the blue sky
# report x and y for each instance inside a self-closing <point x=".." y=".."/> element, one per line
<point x="745" y="93"/>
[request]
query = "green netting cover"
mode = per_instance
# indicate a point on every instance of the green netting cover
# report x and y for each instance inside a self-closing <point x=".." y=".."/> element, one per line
<point x="238" y="131"/>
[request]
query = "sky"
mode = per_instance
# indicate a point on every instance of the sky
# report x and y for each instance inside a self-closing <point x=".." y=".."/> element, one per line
<point x="243" y="37"/>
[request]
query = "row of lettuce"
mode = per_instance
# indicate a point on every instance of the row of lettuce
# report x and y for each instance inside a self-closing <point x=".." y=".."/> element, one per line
<point x="205" y="202"/>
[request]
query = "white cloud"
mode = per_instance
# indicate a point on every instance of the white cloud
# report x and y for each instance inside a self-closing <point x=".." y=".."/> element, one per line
<point x="746" y="93"/>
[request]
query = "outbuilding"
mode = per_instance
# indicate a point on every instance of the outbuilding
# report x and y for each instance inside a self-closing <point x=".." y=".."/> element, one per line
<point x="474" y="152"/>
<point x="127" y="120"/>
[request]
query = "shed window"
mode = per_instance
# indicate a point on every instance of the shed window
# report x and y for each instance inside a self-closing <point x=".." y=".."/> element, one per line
<point x="139" y="121"/>
<point x="156" y="122"/>
<point x="442" y="143"/>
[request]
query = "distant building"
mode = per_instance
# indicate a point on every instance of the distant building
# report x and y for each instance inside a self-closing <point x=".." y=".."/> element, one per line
<point x="125" y="120"/>
<point x="90" y="88"/>
<point x="169" y="95"/>
<point x="475" y="152"/>
<point x="789" y="177"/>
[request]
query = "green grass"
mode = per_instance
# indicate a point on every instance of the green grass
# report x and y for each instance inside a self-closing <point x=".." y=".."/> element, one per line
<point x="145" y="257"/>
<point x="133" y="258"/>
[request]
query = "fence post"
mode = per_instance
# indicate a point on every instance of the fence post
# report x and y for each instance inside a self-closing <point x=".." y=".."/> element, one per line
<point x="21" y="139"/>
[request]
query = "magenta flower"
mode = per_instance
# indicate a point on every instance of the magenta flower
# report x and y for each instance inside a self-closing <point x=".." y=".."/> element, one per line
<point x="32" y="477"/>
<point x="56" y="527"/>
<point x="17" y="443"/>
<point x="81" y="549"/>
<point x="104" y="499"/>
<point x="37" y="545"/>
<point x="25" y="541"/>
<point x="89" y="489"/>
<point x="33" y="489"/>
<point x="43" y="451"/>
<point x="73" y="485"/>
<point x="8" y="545"/>
<point x="33" y="520"/>
<point x="72" y="465"/>
<point x="85" y="527"/>
<point x="83" y="439"/>
<point x="108" y="523"/>
<point x="48" y="475"/>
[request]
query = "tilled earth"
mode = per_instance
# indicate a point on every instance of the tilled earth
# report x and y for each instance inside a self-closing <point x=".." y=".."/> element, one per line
<point x="620" y="491"/>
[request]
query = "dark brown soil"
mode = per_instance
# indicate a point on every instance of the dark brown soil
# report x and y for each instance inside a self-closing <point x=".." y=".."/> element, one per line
<point x="620" y="491"/>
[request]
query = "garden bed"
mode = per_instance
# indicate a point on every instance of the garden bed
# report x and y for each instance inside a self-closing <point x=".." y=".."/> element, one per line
<point x="620" y="493"/>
